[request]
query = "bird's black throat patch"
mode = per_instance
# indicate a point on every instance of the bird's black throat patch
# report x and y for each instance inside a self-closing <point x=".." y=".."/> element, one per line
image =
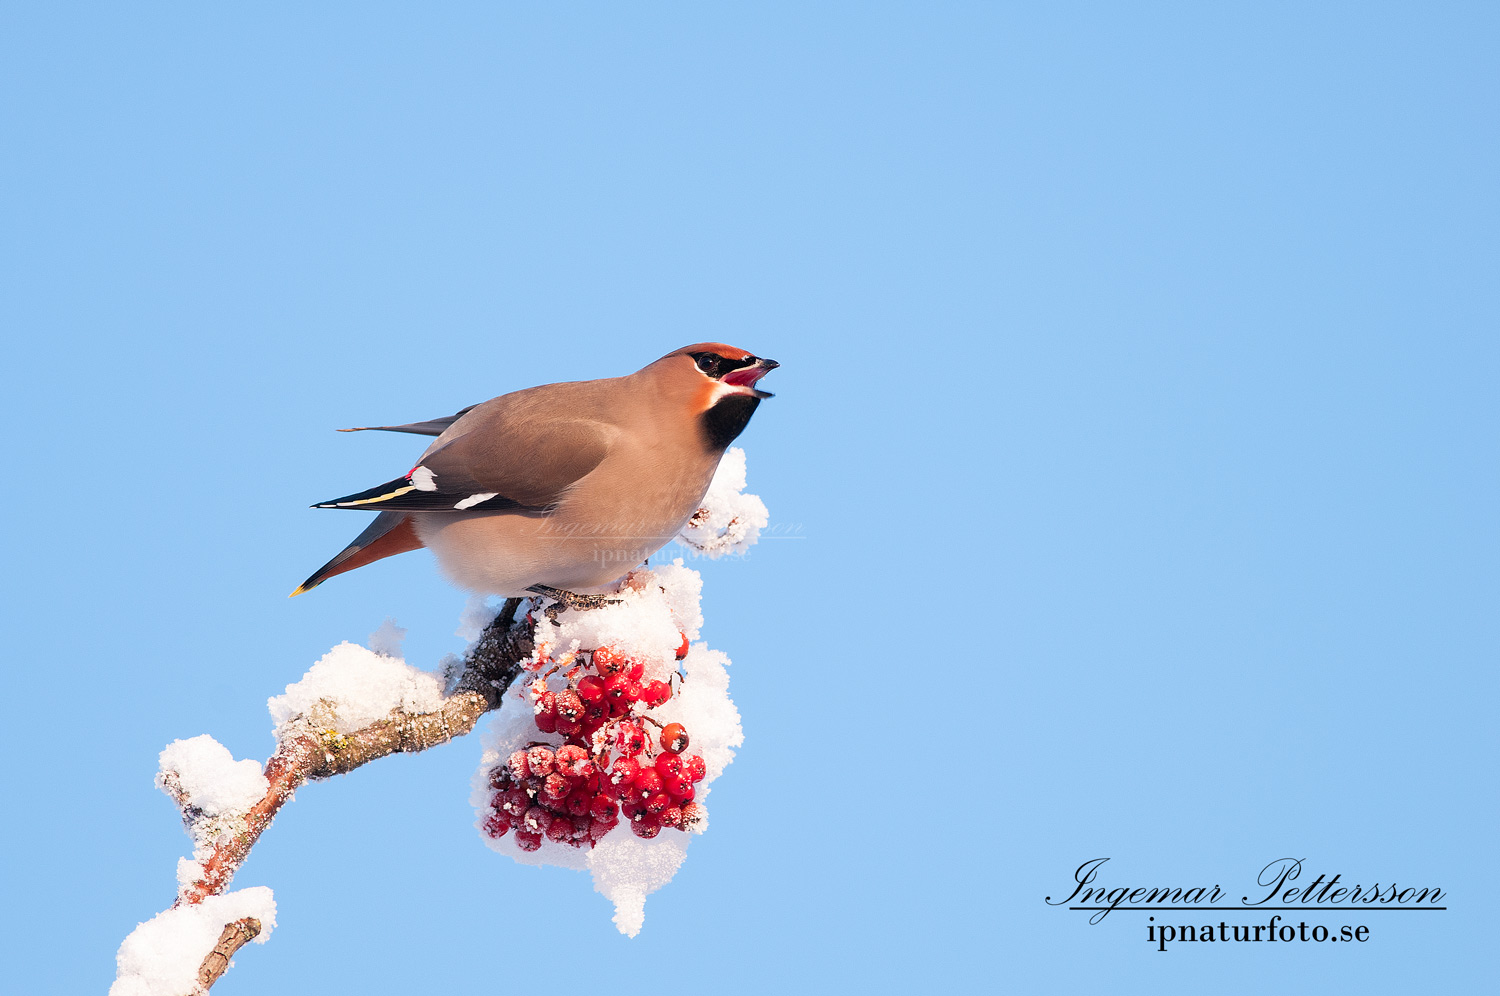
<point x="723" y="423"/>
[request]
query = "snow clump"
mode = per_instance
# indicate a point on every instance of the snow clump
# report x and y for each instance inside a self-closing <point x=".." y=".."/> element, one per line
<point x="729" y="521"/>
<point x="352" y="687"/>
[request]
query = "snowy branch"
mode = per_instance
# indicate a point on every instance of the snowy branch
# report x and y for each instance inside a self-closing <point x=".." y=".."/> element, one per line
<point x="308" y="752"/>
<point x="308" y="748"/>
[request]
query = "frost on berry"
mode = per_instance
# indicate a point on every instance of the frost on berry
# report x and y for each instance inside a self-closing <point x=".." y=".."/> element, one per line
<point x="624" y="771"/>
<point x="586" y="764"/>
<point x="607" y="662"/>
<point x="556" y="786"/>
<point x="536" y="820"/>
<point x="540" y="760"/>
<point x="630" y="739"/>
<point x="569" y="705"/>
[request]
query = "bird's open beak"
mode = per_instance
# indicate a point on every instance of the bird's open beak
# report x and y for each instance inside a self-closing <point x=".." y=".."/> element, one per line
<point x="747" y="376"/>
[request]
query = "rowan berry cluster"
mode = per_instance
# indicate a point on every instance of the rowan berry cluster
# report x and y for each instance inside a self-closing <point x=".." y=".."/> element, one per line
<point x="608" y="766"/>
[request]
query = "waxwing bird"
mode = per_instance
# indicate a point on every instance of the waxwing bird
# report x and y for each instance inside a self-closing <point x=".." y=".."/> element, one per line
<point x="562" y="488"/>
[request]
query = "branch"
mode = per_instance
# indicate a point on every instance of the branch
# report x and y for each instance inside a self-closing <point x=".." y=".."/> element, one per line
<point x="309" y="753"/>
<point x="236" y="935"/>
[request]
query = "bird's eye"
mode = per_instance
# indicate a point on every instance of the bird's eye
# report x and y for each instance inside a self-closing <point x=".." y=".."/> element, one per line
<point x="709" y="363"/>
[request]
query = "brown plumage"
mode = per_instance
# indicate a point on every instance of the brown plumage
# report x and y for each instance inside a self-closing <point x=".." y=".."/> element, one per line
<point x="563" y="486"/>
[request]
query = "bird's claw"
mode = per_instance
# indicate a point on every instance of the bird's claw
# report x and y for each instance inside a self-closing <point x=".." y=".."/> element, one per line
<point x="569" y="600"/>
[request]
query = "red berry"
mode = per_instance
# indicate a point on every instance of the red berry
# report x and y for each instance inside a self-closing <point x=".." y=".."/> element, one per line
<point x="591" y="689"/>
<point x="556" y="786"/>
<point x="630" y="739"/>
<point x="602" y="807"/>
<point x="567" y="755"/>
<point x="607" y="662"/>
<point x="646" y="784"/>
<point x="578" y="802"/>
<point x="644" y="830"/>
<point x="517" y="765"/>
<point x="695" y="767"/>
<point x="536" y="820"/>
<point x="682" y="649"/>
<point x="598" y="828"/>
<point x="497" y="825"/>
<point x="516" y="802"/>
<point x="540" y="760"/>
<point x="680" y="789"/>
<point x="692" y="814"/>
<point x="631" y="807"/>
<point x="585" y="774"/>
<point x="656" y="693"/>
<point x="674" y="738"/>
<point x="568" y="727"/>
<point x="569" y="705"/>
<point x="669" y="765"/>
<point x="545" y="711"/>
<point x="657" y="803"/>
<point x="671" y="817"/>
<point x="625" y="770"/>
<point x="560" y="830"/>
<point x="528" y="841"/>
<point x="636" y="670"/>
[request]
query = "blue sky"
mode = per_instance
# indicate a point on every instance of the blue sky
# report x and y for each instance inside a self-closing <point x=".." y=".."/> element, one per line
<point x="1136" y="425"/>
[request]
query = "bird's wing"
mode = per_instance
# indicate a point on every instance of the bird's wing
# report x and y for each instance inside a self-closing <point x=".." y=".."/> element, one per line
<point x="501" y="459"/>
<point x="431" y="427"/>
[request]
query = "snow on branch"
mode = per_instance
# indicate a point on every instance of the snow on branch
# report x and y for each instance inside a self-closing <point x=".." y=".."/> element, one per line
<point x="328" y="724"/>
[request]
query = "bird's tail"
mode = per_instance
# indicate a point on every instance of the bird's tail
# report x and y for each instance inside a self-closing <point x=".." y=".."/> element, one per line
<point x="391" y="533"/>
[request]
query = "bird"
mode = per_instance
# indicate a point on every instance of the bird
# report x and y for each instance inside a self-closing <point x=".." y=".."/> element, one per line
<point x="560" y="490"/>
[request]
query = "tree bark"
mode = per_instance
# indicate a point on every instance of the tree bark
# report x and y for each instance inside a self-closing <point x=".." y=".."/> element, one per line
<point x="236" y="935"/>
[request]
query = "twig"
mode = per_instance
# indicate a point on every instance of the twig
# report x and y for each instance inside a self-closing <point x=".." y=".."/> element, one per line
<point x="236" y="935"/>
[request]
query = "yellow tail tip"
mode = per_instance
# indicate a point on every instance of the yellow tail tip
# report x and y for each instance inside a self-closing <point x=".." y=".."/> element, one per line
<point x="302" y="588"/>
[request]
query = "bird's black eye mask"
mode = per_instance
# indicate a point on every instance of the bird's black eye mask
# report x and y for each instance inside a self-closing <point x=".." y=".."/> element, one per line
<point x="717" y="366"/>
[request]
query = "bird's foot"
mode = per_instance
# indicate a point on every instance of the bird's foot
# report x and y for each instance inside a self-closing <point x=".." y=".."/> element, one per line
<point x="569" y="600"/>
